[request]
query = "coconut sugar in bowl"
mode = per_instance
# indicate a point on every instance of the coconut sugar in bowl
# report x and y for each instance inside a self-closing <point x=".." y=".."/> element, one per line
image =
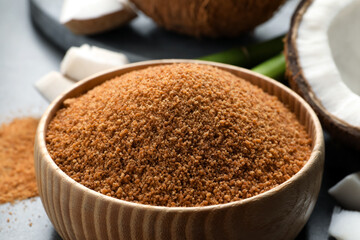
<point x="179" y="149"/>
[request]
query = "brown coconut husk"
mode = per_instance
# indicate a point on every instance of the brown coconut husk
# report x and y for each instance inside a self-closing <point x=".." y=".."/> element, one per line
<point x="210" y="18"/>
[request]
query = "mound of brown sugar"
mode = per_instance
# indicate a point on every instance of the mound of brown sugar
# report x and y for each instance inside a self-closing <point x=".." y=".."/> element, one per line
<point x="17" y="173"/>
<point x="178" y="135"/>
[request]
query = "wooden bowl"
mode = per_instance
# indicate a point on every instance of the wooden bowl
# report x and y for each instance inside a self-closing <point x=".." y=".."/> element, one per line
<point x="280" y="213"/>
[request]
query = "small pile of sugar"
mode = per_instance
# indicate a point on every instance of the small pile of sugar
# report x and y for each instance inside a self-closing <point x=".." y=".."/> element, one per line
<point x="17" y="173"/>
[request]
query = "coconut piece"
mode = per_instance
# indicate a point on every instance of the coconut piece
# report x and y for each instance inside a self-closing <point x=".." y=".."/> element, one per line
<point x="347" y="192"/>
<point x="322" y="58"/>
<point x="95" y="16"/>
<point x="78" y="63"/>
<point x="53" y="84"/>
<point x="209" y="18"/>
<point x="81" y="62"/>
<point x="345" y="224"/>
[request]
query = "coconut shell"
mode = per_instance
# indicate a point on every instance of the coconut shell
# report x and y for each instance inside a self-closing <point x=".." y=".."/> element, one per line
<point x="215" y="18"/>
<point x="337" y="128"/>
<point x="101" y="24"/>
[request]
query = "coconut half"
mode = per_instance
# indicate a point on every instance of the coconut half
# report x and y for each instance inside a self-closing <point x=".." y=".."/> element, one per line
<point x="323" y="57"/>
<point x="214" y="18"/>
<point x="95" y="16"/>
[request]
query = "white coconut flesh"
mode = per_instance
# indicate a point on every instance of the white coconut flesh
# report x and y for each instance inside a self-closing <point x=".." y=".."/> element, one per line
<point x="347" y="192"/>
<point x="53" y="84"/>
<point x="329" y="55"/>
<point x="81" y="62"/>
<point x="345" y="224"/>
<point x="78" y="63"/>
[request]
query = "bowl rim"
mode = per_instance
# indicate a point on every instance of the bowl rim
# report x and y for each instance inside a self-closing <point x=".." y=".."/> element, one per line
<point x="317" y="142"/>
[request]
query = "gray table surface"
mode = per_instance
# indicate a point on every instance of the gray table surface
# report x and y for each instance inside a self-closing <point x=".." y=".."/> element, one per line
<point x="26" y="55"/>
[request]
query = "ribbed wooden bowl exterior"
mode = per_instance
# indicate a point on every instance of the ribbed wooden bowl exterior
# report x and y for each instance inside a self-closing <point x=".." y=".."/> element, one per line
<point x="80" y="213"/>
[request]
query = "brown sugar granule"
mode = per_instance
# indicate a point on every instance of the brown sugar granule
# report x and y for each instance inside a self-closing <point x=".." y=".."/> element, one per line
<point x="178" y="135"/>
<point x="17" y="173"/>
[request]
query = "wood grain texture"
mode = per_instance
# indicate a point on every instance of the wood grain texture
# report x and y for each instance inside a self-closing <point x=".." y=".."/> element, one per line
<point x="280" y="213"/>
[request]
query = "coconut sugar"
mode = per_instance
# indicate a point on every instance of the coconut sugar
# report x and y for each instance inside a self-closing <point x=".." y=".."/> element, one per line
<point x="178" y="135"/>
<point x="17" y="173"/>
